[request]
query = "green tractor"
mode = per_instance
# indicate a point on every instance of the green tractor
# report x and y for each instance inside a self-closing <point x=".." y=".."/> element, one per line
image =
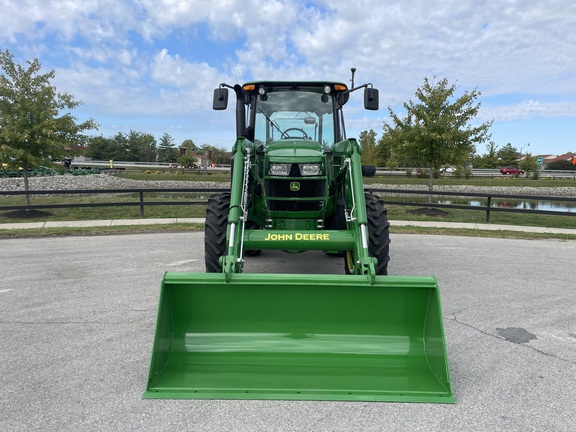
<point x="297" y="186"/>
<point x="296" y="181"/>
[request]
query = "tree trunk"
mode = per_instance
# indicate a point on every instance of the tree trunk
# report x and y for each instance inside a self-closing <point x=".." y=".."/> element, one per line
<point x="26" y="185"/>
<point x="430" y="184"/>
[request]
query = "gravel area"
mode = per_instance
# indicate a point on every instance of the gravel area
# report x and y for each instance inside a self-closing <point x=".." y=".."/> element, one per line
<point x="102" y="181"/>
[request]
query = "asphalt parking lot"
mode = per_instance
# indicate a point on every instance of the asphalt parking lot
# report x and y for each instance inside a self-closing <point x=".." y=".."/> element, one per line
<point x="77" y="318"/>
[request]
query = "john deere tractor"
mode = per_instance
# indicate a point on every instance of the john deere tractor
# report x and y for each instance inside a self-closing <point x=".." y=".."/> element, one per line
<point x="296" y="181"/>
<point x="297" y="186"/>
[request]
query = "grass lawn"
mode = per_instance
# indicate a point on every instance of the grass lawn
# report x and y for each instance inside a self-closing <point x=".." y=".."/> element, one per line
<point x="128" y="203"/>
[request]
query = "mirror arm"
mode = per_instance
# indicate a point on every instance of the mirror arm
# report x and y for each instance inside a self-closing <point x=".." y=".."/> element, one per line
<point x="358" y="88"/>
<point x="226" y="85"/>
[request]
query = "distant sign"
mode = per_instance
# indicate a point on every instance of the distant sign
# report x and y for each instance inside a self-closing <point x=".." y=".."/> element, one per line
<point x="540" y="160"/>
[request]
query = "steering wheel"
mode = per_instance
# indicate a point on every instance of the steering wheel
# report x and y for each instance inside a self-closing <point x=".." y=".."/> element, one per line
<point x="285" y="134"/>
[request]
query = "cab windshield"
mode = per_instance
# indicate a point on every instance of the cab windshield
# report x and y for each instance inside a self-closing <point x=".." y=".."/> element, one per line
<point x="290" y="114"/>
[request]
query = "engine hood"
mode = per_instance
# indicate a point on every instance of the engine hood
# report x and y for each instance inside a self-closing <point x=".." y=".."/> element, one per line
<point x="294" y="148"/>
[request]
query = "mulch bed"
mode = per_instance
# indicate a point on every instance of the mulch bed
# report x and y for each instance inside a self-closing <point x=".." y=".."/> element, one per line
<point x="27" y="214"/>
<point x="428" y="212"/>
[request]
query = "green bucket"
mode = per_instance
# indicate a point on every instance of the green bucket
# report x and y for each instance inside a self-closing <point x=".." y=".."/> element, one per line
<point x="299" y="337"/>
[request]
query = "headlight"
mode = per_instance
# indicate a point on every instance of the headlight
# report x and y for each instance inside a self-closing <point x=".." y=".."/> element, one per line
<point x="310" y="169"/>
<point x="279" y="170"/>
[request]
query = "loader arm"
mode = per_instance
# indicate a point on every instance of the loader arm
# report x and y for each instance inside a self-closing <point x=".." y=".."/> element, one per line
<point x="233" y="261"/>
<point x="356" y="218"/>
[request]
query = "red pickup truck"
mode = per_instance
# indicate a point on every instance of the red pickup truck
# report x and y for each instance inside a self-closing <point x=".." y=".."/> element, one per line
<point x="511" y="170"/>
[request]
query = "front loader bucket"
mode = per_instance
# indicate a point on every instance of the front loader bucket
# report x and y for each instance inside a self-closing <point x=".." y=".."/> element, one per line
<point x="301" y="337"/>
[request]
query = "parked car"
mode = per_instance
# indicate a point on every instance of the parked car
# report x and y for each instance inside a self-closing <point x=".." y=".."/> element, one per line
<point x="511" y="170"/>
<point x="448" y="169"/>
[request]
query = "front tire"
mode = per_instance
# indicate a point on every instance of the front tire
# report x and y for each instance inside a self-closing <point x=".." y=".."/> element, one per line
<point x="378" y="232"/>
<point x="378" y="236"/>
<point x="215" y="231"/>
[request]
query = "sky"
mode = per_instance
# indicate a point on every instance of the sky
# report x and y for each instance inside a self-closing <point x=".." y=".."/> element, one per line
<point x="151" y="65"/>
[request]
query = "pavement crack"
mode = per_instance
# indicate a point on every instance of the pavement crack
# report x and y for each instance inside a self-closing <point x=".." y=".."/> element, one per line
<point x="455" y="319"/>
<point x="524" y="345"/>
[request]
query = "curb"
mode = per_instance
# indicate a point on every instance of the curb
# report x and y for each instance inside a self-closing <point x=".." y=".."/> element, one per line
<point x="134" y="222"/>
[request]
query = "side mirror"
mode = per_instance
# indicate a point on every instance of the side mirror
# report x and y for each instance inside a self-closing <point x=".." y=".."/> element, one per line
<point x="220" y="101"/>
<point x="371" y="99"/>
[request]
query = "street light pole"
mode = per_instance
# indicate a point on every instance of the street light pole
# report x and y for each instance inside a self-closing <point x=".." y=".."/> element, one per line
<point x="523" y="147"/>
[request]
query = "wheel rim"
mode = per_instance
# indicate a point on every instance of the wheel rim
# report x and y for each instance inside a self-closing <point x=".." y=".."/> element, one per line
<point x="349" y="263"/>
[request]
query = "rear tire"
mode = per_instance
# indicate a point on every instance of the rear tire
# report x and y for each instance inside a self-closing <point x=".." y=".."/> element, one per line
<point x="215" y="231"/>
<point x="378" y="236"/>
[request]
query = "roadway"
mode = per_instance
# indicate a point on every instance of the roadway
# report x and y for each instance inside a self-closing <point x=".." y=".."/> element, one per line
<point x="77" y="317"/>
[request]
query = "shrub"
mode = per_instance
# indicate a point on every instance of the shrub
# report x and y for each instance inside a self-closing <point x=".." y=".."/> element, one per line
<point x="421" y="173"/>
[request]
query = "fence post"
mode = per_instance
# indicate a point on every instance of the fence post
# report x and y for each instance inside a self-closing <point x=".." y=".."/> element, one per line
<point x="488" y="205"/>
<point x="141" y="205"/>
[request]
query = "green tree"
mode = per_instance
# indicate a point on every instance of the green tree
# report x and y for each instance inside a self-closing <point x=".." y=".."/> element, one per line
<point x="189" y="144"/>
<point x="219" y="155"/>
<point x="508" y="155"/>
<point x="385" y="152"/>
<point x="394" y="159"/>
<point x="101" y="148"/>
<point x="561" y="165"/>
<point x="140" y="147"/>
<point x="491" y="156"/>
<point x="436" y="130"/>
<point x="530" y="165"/>
<point x="370" y="151"/>
<point x="35" y="125"/>
<point x="489" y="159"/>
<point x="166" y="150"/>
<point x="120" y="147"/>
<point x="187" y="160"/>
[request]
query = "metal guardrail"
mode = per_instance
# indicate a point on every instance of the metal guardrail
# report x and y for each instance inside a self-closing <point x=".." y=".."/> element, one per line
<point x="478" y="172"/>
<point x="488" y="208"/>
<point x="145" y="165"/>
<point x="380" y="171"/>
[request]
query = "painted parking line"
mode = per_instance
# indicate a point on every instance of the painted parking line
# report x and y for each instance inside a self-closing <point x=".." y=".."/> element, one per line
<point x="6" y="290"/>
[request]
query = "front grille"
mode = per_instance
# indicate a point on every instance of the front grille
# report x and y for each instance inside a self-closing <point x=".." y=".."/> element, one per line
<point x="283" y="188"/>
<point x="308" y="188"/>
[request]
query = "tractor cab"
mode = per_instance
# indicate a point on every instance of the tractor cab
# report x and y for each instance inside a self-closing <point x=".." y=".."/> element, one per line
<point x="279" y="113"/>
<point x="270" y="111"/>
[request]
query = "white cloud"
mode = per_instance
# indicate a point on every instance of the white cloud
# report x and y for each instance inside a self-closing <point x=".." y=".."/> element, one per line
<point x="529" y="109"/>
<point x="185" y="87"/>
<point x="136" y="57"/>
